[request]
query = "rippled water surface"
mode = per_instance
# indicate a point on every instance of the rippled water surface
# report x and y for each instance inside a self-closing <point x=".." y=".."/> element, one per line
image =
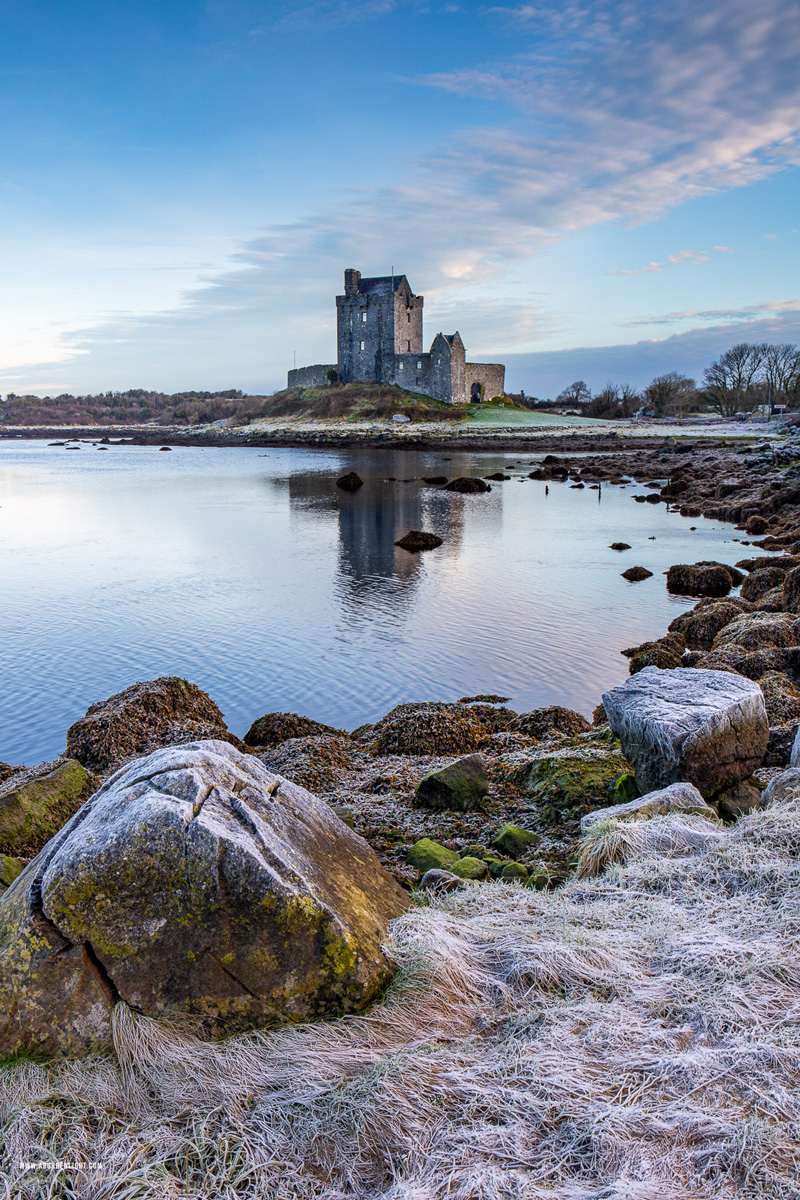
<point x="249" y="573"/>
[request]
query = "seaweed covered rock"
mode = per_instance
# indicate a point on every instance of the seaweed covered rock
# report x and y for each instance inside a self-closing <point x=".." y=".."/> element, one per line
<point x="460" y="785"/>
<point x="703" y="727"/>
<point x="781" y="698"/>
<point x="35" y="803"/>
<point x="702" y="579"/>
<point x="637" y="574"/>
<point x="678" y="797"/>
<point x="315" y="763"/>
<point x="426" y="729"/>
<point x="754" y="631"/>
<point x="541" y="723"/>
<point x="197" y="884"/>
<point x="758" y="583"/>
<point x="664" y="652"/>
<point x="701" y="624"/>
<point x="276" y="727"/>
<point x="158" y="712"/>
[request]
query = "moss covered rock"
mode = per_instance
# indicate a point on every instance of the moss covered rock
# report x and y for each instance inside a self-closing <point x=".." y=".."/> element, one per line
<point x="461" y="785"/>
<point x="469" y="868"/>
<point x="513" y="840"/>
<point x="514" y="872"/>
<point x="10" y="868"/>
<point x="426" y="855"/>
<point x="574" y="778"/>
<point x="194" y="883"/>
<point x="36" y="803"/>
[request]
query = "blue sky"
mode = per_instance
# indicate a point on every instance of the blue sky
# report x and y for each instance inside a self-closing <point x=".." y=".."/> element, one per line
<point x="593" y="189"/>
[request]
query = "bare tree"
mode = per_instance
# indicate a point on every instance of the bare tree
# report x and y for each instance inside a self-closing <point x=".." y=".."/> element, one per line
<point x="670" y="394"/>
<point x="605" y="403"/>
<point x="782" y="371"/>
<point x="630" y="399"/>
<point x="731" y="383"/>
<point x="577" y="393"/>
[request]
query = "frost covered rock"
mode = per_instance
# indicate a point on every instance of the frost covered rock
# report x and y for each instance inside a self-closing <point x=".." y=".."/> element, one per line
<point x="708" y="728"/>
<point x="678" y="797"/>
<point x="194" y="882"/>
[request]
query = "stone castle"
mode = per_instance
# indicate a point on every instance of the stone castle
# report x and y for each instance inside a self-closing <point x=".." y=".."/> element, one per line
<point x="379" y="340"/>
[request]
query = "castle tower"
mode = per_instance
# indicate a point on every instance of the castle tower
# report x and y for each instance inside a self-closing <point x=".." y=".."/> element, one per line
<point x="376" y="318"/>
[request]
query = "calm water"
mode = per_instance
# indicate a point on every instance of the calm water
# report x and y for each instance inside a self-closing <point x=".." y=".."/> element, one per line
<point x="247" y="572"/>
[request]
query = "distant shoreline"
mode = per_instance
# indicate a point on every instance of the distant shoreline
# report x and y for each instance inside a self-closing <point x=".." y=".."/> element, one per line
<point x="425" y="437"/>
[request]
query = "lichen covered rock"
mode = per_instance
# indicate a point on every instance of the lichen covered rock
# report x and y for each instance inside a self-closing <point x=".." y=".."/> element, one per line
<point x="573" y="778"/>
<point x="34" y="804"/>
<point x="703" y="727"/>
<point x="197" y="884"/>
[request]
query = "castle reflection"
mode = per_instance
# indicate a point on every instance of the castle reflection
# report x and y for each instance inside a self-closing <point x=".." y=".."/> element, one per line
<point x="371" y="570"/>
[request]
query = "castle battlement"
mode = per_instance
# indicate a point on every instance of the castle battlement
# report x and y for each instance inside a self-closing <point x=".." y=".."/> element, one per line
<point x="379" y="340"/>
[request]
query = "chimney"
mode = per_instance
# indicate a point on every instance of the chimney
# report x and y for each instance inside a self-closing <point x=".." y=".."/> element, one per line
<point x="352" y="279"/>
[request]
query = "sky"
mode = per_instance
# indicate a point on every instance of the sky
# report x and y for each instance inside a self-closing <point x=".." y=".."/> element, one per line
<point x="604" y="189"/>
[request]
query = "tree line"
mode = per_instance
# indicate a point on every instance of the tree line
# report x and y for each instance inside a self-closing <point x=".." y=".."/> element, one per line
<point x="746" y="376"/>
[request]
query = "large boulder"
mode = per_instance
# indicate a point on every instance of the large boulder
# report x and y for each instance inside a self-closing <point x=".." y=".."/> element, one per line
<point x="196" y="884"/>
<point x="35" y="803"/>
<point x="754" y="631"/>
<point x="678" y="797"/>
<point x="461" y="785"/>
<point x="703" y="727"/>
<point x="158" y="712"/>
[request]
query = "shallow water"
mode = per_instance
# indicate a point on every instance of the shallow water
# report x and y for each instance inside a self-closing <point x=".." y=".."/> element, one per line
<point x="249" y="573"/>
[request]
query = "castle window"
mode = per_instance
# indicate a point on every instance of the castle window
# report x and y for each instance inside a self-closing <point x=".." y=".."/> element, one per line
<point x="419" y="366"/>
<point x="408" y="317"/>
<point x="409" y="345"/>
<point x="399" y="366"/>
<point x="363" y="345"/>
<point x="364" y="318"/>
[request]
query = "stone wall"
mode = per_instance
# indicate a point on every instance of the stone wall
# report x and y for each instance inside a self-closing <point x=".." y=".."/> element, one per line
<point x="303" y="377"/>
<point x="491" y="375"/>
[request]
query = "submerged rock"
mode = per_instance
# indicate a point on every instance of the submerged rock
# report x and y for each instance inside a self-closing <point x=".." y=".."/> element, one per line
<point x="36" y="803"/>
<point x="704" y="727"/>
<point x="467" y="486"/>
<point x="350" y="482"/>
<point x="678" y="797"/>
<point x="416" y="540"/>
<point x="158" y="712"/>
<point x="460" y="785"/>
<point x="193" y="883"/>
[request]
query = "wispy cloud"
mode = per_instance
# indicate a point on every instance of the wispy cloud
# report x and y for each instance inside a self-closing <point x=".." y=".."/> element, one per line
<point x="747" y="313"/>
<point x="613" y="111"/>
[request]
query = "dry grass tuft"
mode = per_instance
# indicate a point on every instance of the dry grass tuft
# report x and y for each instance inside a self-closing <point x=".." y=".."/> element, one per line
<point x="631" y="1037"/>
<point x="613" y="840"/>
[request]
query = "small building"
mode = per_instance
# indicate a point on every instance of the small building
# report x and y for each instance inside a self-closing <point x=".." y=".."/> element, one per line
<point x="379" y="340"/>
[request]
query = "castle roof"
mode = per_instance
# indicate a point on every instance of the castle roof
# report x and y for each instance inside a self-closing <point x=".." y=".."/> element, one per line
<point x="382" y="285"/>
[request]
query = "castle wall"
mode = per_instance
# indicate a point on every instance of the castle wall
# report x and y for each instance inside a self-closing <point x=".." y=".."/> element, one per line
<point x="316" y="376"/>
<point x="491" y="375"/>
